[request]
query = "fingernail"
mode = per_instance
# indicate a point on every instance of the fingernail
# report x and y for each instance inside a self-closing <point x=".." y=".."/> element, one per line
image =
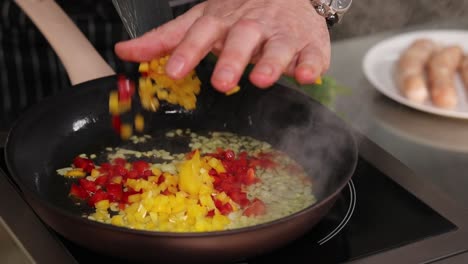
<point x="225" y="75"/>
<point x="264" y="69"/>
<point x="175" y="65"/>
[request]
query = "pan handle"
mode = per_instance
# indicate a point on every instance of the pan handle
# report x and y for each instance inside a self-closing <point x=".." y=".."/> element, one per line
<point x="80" y="59"/>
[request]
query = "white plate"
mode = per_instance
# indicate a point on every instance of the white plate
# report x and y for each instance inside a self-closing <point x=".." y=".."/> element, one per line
<point x="379" y="62"/>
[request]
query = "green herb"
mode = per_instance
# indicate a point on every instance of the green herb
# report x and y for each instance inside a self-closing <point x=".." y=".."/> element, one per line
<point x="325" y="93"/>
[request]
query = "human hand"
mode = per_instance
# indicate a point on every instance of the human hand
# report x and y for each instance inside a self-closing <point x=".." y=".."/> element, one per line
<point x="278" y="36"/>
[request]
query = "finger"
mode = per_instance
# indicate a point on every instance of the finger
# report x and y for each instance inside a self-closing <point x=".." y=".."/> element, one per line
<point x="290" y="70"/>
<point x="158" y="41"/>
<point x="242" y="40"/>
<point x="196" y="44"/>
<point x="310" y="65"/>
<point x="277" y="54"/>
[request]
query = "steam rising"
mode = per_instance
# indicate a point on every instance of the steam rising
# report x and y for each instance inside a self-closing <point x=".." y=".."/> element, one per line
<point x="314" y="136"/>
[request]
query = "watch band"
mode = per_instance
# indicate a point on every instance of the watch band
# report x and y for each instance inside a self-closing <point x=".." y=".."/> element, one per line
<point x="331" y="10"/>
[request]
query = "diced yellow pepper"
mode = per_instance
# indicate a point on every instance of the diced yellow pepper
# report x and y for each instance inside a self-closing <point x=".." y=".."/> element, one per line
<point x="117" y="220"/>
<point x="95" y="173"/>
<point x="75" y="173"/>
<point x="102" y="205"/>
<point x="114" y="103"/>
<point x="222" y="197"/>
<point x="190" y="180"/>
<point x="219" y="221"/>
<point x="143" y="67"/>
<point x="154" y="217"/>
<point x="116" y="179"/>
<point x="139" y="123"/>
<point x="134" y="198"/>
<point x="318" y="81"/>
<point x="233" y="90"/>
<point x="124" y="106"/>
<point x="126" y="131"/>
<point x="217" y="165"/>
<point x="101" y="215"/>
<point x="154" y="65"/>
<point x="153" y="178"/>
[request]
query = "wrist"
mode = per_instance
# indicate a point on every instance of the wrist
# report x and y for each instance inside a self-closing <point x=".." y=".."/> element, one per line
<point x="332" y="10"/>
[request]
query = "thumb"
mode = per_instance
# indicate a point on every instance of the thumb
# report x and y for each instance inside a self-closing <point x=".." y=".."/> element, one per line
<point x="160" y="40"/>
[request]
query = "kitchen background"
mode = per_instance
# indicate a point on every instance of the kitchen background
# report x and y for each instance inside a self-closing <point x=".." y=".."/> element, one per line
<point x="420" y="141"/>
<point x="30" y="70"/>
<point x="373" y="16"/>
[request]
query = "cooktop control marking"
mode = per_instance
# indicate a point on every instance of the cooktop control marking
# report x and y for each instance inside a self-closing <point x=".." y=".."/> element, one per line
<point x="347" y="217"/>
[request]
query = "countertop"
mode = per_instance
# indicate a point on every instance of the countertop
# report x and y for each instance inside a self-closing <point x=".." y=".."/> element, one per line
<point x="434" y="147"/>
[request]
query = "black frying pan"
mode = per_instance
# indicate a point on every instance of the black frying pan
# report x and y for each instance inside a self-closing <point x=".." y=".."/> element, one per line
<point x="51" y="133"/>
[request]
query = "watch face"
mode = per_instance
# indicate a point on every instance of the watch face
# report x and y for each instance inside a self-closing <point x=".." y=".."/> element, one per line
<point x="341" y="6"/>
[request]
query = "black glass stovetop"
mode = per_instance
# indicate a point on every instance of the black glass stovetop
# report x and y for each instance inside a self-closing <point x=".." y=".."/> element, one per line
<point x="372" y="214"/>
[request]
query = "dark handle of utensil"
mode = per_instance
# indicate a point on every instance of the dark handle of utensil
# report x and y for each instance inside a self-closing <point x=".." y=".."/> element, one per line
<point x="141" y="16"/>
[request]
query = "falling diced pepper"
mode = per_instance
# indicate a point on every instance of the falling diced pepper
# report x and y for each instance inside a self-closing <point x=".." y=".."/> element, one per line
<point x="126" y="131"/>
<point x="114" y="103"/>
<point x="139" y="123"/>
<point x="233" y="90"/>
<point x="143" y="67"/>
<point x="318" y="81"/>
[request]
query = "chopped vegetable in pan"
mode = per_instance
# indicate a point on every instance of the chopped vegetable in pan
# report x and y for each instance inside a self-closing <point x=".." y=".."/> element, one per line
<point x="225" y="181"/>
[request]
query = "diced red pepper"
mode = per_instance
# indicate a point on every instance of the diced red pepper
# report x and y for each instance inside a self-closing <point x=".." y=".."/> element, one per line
<point x="124" y="198"/>
<point x="190" y="154"/>
<point x="99" y="195"/>
<point x="161" y="179"/>
<point x="116" y="123"/>
<point x="115" y="191"/>
<point x="126" y="88"/>
<point x="119" y="170"/>
<point x="83" y="163"/>
<point x="249" y="178"/>
<point x="105" y="167"/>
<point x="80" y="162"/>
<point x="240" y="198"/>
<point x="89" y="186"/>
<point x="226" y="209"/>
<point x="140" y="166"/>
<point x="146" y="174"/>
<point x="255" y="209"/>
<point x="210" y="213"/>
<point x="129" y="192"/>
<point x="119" y="161"/>
<point x="101" y="180"/>
<point x="216" y="181"/>
<point x="133" y="174"/>
<point x="78" y="191"/>
<point x="218" y="204"/>
<point x="229" y="155"/>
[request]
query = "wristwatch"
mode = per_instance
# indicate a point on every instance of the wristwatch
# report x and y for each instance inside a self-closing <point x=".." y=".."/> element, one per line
<point x="331" y="10"/>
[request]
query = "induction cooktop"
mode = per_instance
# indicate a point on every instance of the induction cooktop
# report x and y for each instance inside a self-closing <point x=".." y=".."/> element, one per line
<point x="384" y="215"/>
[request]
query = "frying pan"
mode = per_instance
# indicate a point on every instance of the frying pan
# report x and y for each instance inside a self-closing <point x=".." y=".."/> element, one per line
<point x="76" y="120"/>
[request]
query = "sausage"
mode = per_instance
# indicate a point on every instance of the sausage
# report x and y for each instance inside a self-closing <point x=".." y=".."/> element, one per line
<point x="442" y="70"/>
<point x="464" y="71"/>
<point x="410" y="70"/>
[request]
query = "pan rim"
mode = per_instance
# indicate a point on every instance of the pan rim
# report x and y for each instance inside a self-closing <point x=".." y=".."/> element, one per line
<point x="239" y="230"/>
<point x="30" y="193"/>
